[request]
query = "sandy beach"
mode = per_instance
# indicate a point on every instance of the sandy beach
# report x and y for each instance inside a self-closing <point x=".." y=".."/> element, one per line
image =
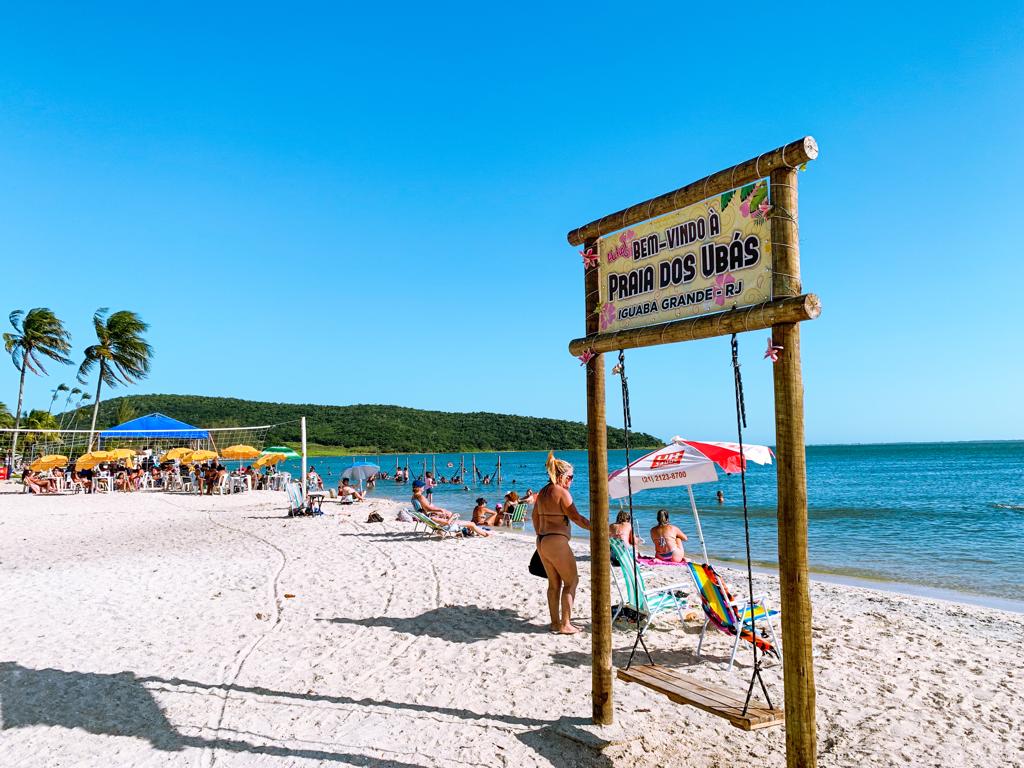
<point x="173" y="630"/>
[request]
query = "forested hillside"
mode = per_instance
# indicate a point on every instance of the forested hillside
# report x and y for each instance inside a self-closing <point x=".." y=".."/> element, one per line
<point x="384" y="428"/>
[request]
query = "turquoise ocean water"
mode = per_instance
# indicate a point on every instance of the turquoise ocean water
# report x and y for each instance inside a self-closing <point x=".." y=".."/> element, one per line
<point x="947" y="516"/>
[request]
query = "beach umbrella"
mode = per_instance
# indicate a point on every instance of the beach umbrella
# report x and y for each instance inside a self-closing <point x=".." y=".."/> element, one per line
<point x="287" y="452"/>
<point x="175" y="453"/>
<point x="240" y="452"/>
<point x="685" y="462"/>
<point x="122" y="453"/>
<point x="91" y="459"/>
<point x="360" y="472"/>
<point x="269" y="459"/>
<point x="197" y="456"/>
<point x="49" y="461"/>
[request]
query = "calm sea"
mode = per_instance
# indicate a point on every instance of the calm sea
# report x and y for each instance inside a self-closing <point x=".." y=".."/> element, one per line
<point x="946" y="516"/>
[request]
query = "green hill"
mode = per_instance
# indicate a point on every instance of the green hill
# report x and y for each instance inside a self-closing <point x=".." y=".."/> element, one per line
<point x="365" y="428"/>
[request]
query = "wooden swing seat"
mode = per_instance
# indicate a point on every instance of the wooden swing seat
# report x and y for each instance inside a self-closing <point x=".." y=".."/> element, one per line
<point x="686" y="690"/>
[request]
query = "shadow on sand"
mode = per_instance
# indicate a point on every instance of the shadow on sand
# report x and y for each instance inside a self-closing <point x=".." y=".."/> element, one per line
<point x="122" y="704"/>
<point x="455" y="623"/>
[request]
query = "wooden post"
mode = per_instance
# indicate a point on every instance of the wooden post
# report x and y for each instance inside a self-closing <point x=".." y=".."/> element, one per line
<point x="798" y="664"/>
<point x="600" y="554"/>
<point x="498" y="471"/>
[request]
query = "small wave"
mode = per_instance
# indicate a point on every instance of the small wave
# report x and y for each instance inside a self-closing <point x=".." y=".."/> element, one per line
<point x="998" y="505"/>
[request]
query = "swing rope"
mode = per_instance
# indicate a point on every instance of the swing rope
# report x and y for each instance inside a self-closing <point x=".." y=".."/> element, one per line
<point x="627" y="423"/>
<point x="741" y="422"/>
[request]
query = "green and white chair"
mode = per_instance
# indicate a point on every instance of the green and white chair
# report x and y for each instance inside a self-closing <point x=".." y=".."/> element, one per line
<point x="648" y="603"/>
<point x="518" y="516"/>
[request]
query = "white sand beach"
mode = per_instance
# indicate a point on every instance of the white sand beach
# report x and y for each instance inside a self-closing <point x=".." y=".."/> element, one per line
<point x="153" y="629"/>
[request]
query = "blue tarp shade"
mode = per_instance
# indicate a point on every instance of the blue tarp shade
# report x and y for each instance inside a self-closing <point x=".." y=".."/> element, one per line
<point x="155" y="426"/>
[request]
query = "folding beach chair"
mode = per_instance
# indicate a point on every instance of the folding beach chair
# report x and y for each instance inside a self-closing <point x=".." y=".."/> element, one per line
<point x="432" y="527"/>
<point x="518" y="516"/>
<point x="296" y="504"/>
<point x="647" y="603"/>
<point x="731" y="616"/>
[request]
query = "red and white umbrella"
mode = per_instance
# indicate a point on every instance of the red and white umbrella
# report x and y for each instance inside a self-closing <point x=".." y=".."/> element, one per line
<point x="685" y="462"/>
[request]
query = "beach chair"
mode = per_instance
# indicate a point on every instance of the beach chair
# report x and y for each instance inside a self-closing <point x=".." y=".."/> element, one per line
<point x="432" y="527"/>
<point x="518" y="517"/>
<point x="731" y="616"/>
<point x="296" y="504"/>
<point x="648" y="603"/>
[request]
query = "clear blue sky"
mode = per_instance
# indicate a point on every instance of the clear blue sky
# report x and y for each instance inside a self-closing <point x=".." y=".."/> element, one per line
<point x="311" y="204"/>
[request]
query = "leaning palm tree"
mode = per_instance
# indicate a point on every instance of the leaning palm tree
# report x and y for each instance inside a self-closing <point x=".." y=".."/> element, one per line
<point x="67" y="404"/>
<point x="56" y="393"/>
<point x="121" y="354"/>
<point x="38" y="334"/>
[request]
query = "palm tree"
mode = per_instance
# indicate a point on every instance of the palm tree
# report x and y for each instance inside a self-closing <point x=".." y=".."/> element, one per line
<point x="6" y="420"/>
<point x="60" y="388"/>
<point x="64" y="415"/>
<point x="78" y="409"/>
<point x="38" y="334"/>
<point x="122" y="354"/>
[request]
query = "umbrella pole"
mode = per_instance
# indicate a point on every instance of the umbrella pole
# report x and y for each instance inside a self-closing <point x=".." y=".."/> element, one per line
<point x="302" y="480"/>
<point x="696" y="522"/>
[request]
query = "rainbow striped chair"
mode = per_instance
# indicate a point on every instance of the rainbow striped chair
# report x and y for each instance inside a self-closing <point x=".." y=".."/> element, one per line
<point x="729" y="615"/>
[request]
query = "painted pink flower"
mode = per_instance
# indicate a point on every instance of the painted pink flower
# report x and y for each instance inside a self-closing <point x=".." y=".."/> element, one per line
<point x="607" y="315"/>
<point x="745" y="208"/>
<point x="761" y="214"/>
<point x="772" y="353"/>
<point x="624" y="249"/>
<point x="590" y="258"/>
<point x="587" y="356"/>
<point x="720" y="282"/>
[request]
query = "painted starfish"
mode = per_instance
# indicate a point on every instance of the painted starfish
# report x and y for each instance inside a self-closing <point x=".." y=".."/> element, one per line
<point x="590" y="258"/>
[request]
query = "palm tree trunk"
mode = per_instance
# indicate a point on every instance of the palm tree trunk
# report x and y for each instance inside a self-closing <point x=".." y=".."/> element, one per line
<point x="96" y="406"/>
<point x="64" y="413"/>
<point x="17" y="415"/>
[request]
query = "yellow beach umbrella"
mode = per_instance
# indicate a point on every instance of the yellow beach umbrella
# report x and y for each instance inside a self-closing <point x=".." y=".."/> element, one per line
<point x="197" y="456"/>
<point x="49" y="461"/>
<point x="269" y="459"/>
<point x="122" y="453"/>
<point x="239" y="452"/>
<point x="91" y="459"/>
<point x="175" y="453"/>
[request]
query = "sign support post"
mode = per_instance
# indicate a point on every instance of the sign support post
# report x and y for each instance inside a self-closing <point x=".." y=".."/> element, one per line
<point x="600" y="565"/>
<point x="798" y="668"/>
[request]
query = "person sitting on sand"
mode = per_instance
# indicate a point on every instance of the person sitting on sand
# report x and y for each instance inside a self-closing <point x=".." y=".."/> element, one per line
<point x="345" y="491"/>
<point x="37" y="484"/>
<point x="668" y="540"/>
<point x="482" y="515"/>
<point x="551" y="515"/>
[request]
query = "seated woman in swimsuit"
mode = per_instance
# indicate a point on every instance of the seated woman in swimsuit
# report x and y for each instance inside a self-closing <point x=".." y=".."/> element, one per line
<point x="622" y="528"/>
<point x="552" y="512"/>
<point x="668" y="540"/>
<point x="482" y="515"/>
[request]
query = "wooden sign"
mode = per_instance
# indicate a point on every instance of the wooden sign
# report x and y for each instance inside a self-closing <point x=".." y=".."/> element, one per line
<point x="707" y="257"/>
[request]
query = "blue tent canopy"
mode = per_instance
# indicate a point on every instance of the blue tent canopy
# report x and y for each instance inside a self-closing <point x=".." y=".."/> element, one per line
<point x="155" y="426"/>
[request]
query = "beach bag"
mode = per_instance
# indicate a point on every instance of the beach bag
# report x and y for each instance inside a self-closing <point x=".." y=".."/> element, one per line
<point x="537" y="565"/>
<point x="404" y="516"/>
<point x="374" y="517"/>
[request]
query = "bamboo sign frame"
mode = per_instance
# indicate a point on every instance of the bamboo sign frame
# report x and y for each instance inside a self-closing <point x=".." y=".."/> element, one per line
<point x="788" y="307"/>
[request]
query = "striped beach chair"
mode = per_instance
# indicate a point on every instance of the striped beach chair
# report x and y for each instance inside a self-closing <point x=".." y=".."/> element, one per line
<point x="730" y="616"/>
<point x="518" y="517"/>
<point x="647" y="603"/>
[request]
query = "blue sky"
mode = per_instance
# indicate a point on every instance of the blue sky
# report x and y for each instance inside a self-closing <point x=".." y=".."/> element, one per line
<point x="335" y="205"/>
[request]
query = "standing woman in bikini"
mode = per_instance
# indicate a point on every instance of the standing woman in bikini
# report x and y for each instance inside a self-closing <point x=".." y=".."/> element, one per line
<point x="552" y="512"/>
